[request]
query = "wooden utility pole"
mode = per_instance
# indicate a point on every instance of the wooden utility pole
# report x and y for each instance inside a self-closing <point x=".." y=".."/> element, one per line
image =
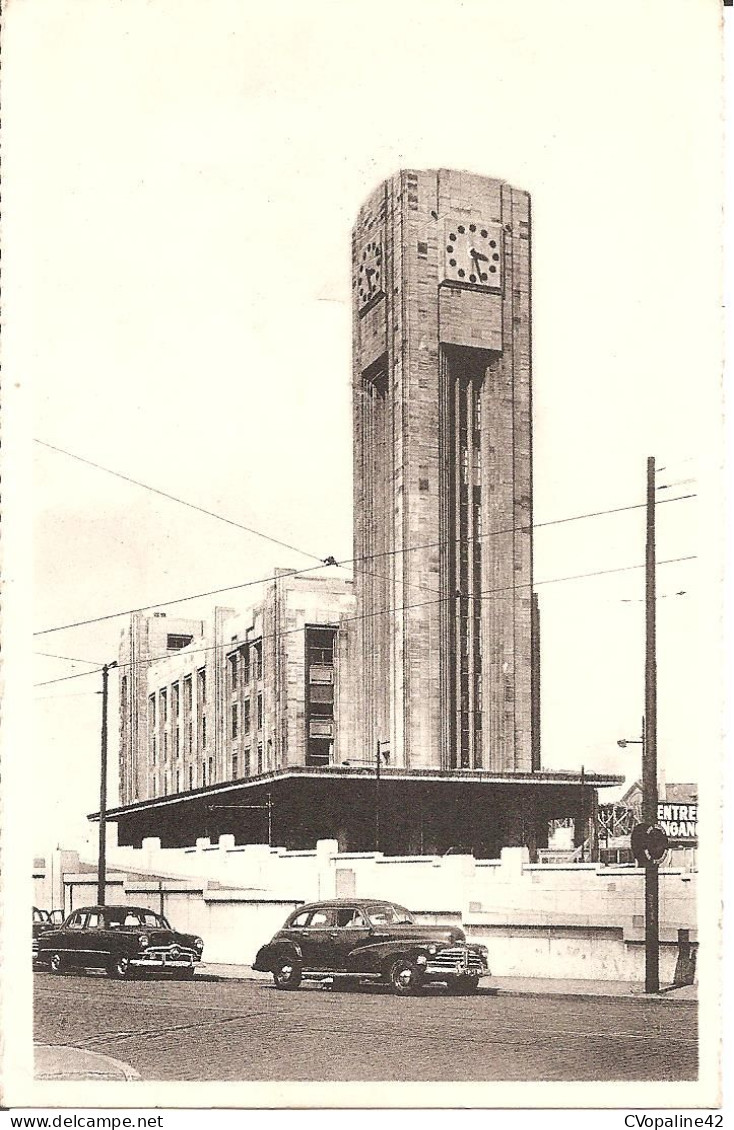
<point x="102" y="857"/>
<point x="649" y="745"/>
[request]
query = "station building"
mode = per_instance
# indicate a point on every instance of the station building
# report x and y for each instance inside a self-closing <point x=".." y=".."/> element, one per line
<point x="403" y="712"/>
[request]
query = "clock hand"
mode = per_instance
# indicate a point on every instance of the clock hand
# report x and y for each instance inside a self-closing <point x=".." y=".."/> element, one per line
<point x="479" y="255"/>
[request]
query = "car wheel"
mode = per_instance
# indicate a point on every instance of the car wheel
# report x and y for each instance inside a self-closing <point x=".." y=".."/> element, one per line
<point x="56" y="963"/>
<point x="287" y="974"/>
<point x="405" y="977"/>
<point x="463" y="986"/>
<point x="120" y="967"/>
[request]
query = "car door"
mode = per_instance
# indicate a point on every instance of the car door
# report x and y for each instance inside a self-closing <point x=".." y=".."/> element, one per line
<point x="96" y="949"/>
<point x="318" y="939"/>
<point x="352" y="930"/>
<point x="71" y="944"/>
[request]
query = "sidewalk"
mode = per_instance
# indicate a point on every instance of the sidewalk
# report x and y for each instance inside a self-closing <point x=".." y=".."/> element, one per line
<point x="506" y="986"/>
<point x="57" y="1062"/>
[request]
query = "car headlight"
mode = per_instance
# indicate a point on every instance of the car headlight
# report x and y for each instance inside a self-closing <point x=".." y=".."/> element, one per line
<point x="421" y="959"/>
<point x="433" y="949"/>
<point x="198" y="944"/>
<point x="143" y="941"/>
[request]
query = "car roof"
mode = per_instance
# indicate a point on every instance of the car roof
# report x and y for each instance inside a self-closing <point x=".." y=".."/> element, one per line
<point x="126" y="909"/>
<point x="361" y="901"/>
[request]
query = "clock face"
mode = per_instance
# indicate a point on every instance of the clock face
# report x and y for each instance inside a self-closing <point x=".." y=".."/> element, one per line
<point x="473" y="254"/>
<point x="369" y="273"/>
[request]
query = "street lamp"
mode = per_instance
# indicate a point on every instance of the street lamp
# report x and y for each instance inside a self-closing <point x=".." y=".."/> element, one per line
<point x="379" y="754"/>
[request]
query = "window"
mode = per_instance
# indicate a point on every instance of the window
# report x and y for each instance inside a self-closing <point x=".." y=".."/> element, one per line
<point x="76" y="921"/>
<point x="300" y="919"/>
<point x="351" y="917"/>
<point x="246" y="720"/>
<point x="321" y="675"/>
<point x="260" y="712"/>
<point x="235" y="766"/>
<point x="211" y="770"/>
<point x="322" y="919"/>
<point x="151" y="709"/>
<point x="246" y="663"/>
<point x="164" y="705"/>
<point x="178" y="780"/>
<point x="203" y="774"/>
<point x="257" y="660"/>
<point x="203" y="731"/>
<point x="191" y="776"/>
<point x="235" y="719"/>
<point x="176" y="642"/>
<point x="155" y="749"/>
<point x="259" y="757"/>
<point x="187" y="694"/>
<point x="177" y="742"/>
<point x="155" y="784"/>
<point x="201" y="684"/>
<point x="233" y="672"/>
<point x="247" y="761"/>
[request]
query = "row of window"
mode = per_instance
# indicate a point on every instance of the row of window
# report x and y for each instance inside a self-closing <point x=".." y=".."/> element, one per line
<point x="246" y="717"/>
<point x="245" y="665"/>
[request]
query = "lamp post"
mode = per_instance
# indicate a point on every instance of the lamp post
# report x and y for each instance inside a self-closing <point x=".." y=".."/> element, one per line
<point x="379" y="754"/>
<point x="102" y="856"/>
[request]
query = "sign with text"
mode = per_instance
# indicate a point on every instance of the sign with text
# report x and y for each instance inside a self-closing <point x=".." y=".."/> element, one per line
<point x="679" y="822"/>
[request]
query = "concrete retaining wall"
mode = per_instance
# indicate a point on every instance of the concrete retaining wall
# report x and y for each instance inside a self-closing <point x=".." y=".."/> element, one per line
<point x="570" y="920"/>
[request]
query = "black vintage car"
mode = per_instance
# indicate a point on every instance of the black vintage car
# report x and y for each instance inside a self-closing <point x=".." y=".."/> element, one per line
<point x="353" y="940"/>
<point x="121" y="940"/>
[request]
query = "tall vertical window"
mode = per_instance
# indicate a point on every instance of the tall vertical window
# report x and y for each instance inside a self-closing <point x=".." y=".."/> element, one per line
<point x="246" y="720"/>
<point x="235" y="719"/>
<point x="320" y="675"/>
<point x="260" y="711"/>
<point x="233" y="661"/>
<point x="191" y="776"/>
<point x="235" y="766"/>
<point x="259" y="757"/>
<point x="211" y="770"/>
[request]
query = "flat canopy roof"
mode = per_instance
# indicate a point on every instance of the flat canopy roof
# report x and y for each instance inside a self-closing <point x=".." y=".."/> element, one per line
<point x="541" y="778"/>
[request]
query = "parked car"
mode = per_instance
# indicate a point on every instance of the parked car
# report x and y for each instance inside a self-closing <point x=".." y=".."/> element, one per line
<point x="351" y="940"/>
<point x="41" y="923"/>
<point x="121" y="940"/>
<point x="56" y="917"/>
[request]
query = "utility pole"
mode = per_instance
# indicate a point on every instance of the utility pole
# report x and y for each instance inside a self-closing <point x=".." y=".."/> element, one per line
<point x="102" y="857"/>
<point x="378" y="756"/>
<point x="649" y="746"/>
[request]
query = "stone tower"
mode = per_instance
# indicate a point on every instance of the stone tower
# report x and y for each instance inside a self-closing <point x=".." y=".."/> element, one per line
<point x="443" y="472"/>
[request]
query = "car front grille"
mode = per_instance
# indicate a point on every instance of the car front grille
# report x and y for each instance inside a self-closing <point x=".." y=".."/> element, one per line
<point x="456" y="959"/>
<point x="169" y="953"/>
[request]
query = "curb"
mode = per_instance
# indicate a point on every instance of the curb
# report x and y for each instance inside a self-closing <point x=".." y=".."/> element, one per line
<point x="665" y="994"/>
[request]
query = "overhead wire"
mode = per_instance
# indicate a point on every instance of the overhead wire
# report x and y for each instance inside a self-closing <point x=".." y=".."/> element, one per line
<point x="328" y="562"/>
<point x="389" y="611"/>
<point x="175" y="498"/>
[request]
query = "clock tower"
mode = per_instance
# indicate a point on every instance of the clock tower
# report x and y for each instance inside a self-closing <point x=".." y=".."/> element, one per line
<point x="443" y="473"/>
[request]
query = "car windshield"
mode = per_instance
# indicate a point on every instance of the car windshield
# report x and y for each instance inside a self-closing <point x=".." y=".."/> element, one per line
<point x="388" y="914"/>
<point x="40" y="915"/>
<point x="127" y="919"/>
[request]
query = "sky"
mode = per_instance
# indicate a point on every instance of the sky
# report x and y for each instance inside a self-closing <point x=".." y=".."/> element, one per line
<point x="182" y="190"/>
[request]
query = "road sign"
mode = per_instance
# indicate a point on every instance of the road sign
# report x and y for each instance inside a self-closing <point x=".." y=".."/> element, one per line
<point x="649" y="843"/>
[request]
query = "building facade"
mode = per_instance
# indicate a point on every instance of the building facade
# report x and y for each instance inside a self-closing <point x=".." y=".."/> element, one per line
<point x="247" y="695"/>
<point x="443" y="472"/>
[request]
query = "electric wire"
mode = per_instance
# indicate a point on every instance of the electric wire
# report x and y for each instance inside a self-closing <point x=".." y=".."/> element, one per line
<point x="175" y="498"/>
<point x="388" y="611"/>
<point x="328" y="562"/>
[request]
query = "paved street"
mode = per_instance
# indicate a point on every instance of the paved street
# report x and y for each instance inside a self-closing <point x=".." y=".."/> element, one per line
<point x="230" y="1030"/>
